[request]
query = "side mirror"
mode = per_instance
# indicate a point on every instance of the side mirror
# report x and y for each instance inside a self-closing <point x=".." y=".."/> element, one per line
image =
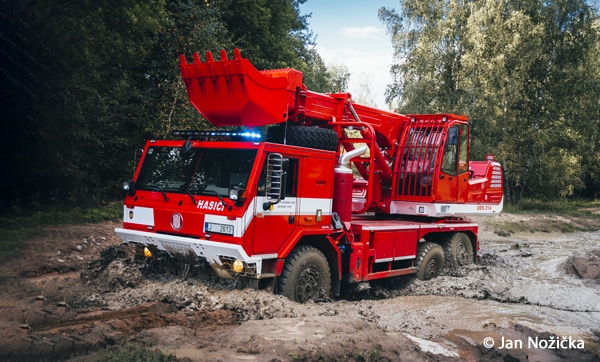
<point x="129" y="187"/>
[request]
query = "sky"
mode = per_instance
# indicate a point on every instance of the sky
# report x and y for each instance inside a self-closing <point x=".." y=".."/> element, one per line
<point x="349" y="32"/>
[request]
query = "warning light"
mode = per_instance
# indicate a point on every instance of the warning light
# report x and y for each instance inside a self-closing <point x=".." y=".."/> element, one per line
<point x="220" y="135"/>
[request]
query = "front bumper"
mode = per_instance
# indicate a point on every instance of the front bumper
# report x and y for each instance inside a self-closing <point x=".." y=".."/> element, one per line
<point x="220" y="256"/>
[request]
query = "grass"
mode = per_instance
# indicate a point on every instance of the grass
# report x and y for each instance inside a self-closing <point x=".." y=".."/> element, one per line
<point x="127" y="352"/>
<point x="21" y="226"/>
<point x="574" y="208"/>
<point x="550" y="216"/>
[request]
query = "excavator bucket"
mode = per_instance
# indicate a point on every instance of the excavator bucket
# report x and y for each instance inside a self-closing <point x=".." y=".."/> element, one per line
<point x="234" y="93"/>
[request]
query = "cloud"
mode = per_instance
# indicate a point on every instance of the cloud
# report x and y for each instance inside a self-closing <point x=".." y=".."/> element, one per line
<point x="365" y="32"/>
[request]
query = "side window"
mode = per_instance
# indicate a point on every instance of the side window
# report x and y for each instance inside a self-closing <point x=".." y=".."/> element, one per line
<point x="450" y="158"/>
<point x="463" y="151"/>
<point x="291" y="186"/>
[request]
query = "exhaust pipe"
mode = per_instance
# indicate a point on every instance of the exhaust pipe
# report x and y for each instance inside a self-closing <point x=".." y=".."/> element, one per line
<point x="346" y="157"/>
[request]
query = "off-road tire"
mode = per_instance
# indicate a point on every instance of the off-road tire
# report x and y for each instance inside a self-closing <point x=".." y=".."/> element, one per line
<point x="306" y="276"/>
<point x="430" y="260"/>
<point x="311" y="137"/>
<point x="459" y="251"/>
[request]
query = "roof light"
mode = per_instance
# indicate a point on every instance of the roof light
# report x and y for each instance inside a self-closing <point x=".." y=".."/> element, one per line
<point x="220" y="135"/>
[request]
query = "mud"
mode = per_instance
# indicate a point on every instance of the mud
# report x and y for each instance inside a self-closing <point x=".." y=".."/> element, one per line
<point x="76" y="291"/>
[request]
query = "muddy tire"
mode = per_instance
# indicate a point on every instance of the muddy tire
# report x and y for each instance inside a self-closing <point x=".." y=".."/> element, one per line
<point x="430" y="261"/>
<point x="459" y="251"/>
<point x="305" y="276"/>
<point x="311" y="137"/>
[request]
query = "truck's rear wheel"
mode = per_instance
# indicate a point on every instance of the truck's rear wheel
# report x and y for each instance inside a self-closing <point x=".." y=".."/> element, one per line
<point x="430" y="261"/>
<point x="305" y="276"/>
<point x="311" y="137"/>
<point x="459" y="251"/>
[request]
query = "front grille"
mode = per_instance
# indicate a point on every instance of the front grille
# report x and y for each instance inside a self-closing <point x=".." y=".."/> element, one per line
<point x="249" y="268"/>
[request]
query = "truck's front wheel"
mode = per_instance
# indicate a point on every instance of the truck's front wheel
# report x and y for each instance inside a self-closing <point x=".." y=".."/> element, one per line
<point x="305" y="276"/>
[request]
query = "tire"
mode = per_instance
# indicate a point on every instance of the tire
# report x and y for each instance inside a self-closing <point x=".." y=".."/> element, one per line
<point x="430" y="261"/>
<point x="306" y="276"/>
<point x="459" y="251"/>
<point x="311" y="137"/>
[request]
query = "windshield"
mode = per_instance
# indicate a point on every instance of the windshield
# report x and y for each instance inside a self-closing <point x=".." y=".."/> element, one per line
<point x="202" y="171"/>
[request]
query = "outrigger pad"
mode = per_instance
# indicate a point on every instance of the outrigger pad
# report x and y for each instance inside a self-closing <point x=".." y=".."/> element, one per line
<point x="234" y="93"/>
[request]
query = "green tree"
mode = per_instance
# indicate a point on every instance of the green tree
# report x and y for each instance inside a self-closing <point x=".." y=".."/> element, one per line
<point x="365" y="93"/>
<point x="524" y="71"/>
<point x="189" y="26"/>
<point x="83" y="83"/>
<point x="81" y="91"/>
<point x="271" y="33"/>
<point x="325" y="79"/>
<point x="429" y="40"/>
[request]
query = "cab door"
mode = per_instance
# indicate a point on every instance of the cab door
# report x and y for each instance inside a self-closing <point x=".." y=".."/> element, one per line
<point x="463" y="164"/>
<point x="276" y="220"/>
<point x="454" y="171"/>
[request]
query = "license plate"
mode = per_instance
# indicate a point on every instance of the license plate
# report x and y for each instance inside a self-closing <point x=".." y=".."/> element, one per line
<point x="210" y="227"/>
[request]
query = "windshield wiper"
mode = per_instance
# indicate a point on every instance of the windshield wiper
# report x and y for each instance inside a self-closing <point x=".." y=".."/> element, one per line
<point x="217" y="194"/>
<point x="160" y="189"/>
<point x="191" y="195"/>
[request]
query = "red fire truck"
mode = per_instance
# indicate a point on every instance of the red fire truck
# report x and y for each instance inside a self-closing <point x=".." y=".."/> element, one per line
<point x="332" y="192"/>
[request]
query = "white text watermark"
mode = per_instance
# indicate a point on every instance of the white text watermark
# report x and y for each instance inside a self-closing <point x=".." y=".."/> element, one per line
<point x="552" y="342"/>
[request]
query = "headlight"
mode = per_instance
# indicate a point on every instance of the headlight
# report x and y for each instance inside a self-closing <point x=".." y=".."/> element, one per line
<point x="238" y="266"/>
<point x="234" y="194"/>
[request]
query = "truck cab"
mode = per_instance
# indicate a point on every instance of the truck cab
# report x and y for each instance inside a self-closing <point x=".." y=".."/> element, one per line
<point x="239" y="205"/>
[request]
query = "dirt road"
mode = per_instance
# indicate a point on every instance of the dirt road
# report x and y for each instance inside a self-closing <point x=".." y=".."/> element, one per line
<point x="533" y="296"/>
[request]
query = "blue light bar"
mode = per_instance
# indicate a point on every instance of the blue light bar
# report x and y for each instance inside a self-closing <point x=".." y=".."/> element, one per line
<point x="220" y="135"/>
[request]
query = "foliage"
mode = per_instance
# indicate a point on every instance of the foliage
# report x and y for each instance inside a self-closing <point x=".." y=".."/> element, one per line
<point x="84" y="83"/>
<point x="365" y="94"/>
<point x="575" y="208"/>
<point x="325" y="79"/>
<point x="527" y="74"/>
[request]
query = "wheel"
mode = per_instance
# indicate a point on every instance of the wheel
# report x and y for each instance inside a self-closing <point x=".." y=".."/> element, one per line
<point x="459" y="250"/>
<point x="305" y="276"/>
<point x="311" y="137"/>
<point x="430" y="261"/>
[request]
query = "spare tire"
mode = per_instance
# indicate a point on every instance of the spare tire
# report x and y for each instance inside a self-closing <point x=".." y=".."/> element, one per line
<point x="311" y="137"/>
